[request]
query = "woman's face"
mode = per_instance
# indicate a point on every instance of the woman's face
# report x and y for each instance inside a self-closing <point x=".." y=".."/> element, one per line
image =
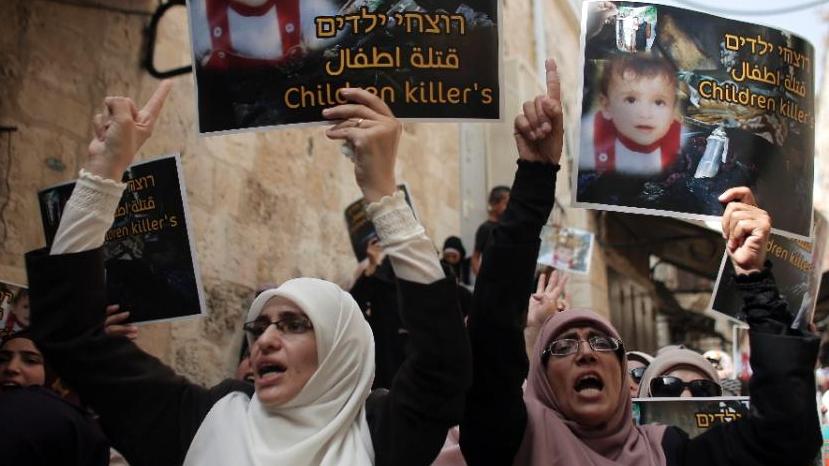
<point x="587" y="384"/>
<point x="282" y="361"/>
<point x="687" y="374"/>
<point x="21" y="364"/>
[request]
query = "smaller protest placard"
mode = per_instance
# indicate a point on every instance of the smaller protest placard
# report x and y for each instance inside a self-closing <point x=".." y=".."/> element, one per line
<point x="797" y="271"/>
<point x="567" y="249"/>
<point x="14" y="308"/>
<point x="360" y="229"/>
<point x="693" y="415"/>
<point x="151" y="268"/>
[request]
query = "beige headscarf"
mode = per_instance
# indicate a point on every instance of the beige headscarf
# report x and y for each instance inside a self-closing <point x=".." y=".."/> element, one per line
<point x="668" y="360"/>
<point x="325" y="424"/>
<point x="553" y="440"/>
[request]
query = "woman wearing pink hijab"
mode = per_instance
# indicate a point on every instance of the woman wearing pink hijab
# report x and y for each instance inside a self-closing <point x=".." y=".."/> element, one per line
<point x="576" y="409"/>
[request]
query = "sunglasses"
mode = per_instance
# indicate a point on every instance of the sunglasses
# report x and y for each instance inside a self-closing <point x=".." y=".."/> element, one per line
<point x="669" y="386"/>
<point x="637" y="373"/>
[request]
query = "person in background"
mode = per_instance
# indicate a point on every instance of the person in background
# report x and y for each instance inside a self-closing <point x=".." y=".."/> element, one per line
<point x="375" y="291"/>
<point x="40" y="427"/>
<point x="680" y="373"/>
<point x="454" y="256"/>
<point x="637" y="363"/>
<point x="497" y="203"/>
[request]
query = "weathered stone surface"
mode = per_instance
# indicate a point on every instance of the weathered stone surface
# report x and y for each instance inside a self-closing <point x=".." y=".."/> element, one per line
<point x="264" y="207"/>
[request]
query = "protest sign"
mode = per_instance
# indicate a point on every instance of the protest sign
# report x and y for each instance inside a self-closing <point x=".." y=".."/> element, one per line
<point x="679" y="106"/>
<point x="567" y="249"/>
<point x="797" y="271"/>
<point x="693" y="415"/>
<point x="14" y="308"/>
<point x="284" y="62"/>
<point x="360" y="229"/>
<point x="151" y="268"/>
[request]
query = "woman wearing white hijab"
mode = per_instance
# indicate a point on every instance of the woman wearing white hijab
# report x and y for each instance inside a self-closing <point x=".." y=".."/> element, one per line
<point x="312" y="352"/>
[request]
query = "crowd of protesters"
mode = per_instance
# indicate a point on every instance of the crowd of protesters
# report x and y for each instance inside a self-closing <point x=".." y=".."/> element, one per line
<point x="409" y="368"/>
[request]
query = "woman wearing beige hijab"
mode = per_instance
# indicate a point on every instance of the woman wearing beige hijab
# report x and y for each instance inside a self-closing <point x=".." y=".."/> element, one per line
<point x="576" y="409"/>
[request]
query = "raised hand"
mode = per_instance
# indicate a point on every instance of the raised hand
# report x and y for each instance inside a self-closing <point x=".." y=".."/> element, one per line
<point x="549" y="297"/>
<point x="372" y="133"/>
<point x="120" y="130"/>
<point x="746" y="230"/>
<point x="539" y="131"/>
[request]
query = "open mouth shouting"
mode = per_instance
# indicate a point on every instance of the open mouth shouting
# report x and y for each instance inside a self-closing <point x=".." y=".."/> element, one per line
<point x="589" y="385"/>
<point x="269" y="371"/>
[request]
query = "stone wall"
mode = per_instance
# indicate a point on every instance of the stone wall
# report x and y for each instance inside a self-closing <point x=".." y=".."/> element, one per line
<point x="265" y="207"/>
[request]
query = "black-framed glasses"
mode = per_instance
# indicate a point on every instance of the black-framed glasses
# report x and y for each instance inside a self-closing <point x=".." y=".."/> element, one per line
<point x="637" y="372"/>
<point x="668" y="385"/>
<point x="291" y="325"/>
<point x="567" y="346"/>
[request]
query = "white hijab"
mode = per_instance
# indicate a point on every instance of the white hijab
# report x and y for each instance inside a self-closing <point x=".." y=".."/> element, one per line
<point x="325" y="424"/>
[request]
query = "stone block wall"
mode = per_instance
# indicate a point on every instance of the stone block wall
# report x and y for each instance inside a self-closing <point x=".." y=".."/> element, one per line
<point x="265" y="207"/>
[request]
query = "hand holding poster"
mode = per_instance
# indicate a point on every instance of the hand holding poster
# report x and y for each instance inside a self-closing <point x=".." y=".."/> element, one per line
<point x="797" y="271"/>
<point x="268" y="63"/>
<point x="678" y="106"/>
<point x="151" y="269"/>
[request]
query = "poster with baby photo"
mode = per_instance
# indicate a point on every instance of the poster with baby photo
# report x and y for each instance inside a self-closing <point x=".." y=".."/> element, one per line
<point x="14" y="308"/>
<point x="797" y="271"/>
<point x="567" y="249"/>
<point x="692" y="415"/>
<point x="361" y="231"/>
<point x="677" y="106"/>
<point x="261" y="64"/>
<point x="149" y="254"/>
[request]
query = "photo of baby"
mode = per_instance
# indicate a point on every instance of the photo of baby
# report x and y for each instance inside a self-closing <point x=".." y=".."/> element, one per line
<point x="636" y="130"/>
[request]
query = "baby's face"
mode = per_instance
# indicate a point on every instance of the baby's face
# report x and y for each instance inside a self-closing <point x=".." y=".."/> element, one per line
<point x="641" y="108"/>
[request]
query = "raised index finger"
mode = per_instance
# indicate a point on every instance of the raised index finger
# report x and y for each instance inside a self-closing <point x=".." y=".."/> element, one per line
<point x="553" y="81"/>
<point x="153" y="106"/>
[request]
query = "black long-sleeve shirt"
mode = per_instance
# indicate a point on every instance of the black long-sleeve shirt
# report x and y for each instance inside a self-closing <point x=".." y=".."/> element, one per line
<point x="782" y="427"/>
<point x="151" y="414"/>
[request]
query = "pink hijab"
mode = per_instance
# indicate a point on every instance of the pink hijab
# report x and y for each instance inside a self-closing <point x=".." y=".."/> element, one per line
<point x="552" y="440"/>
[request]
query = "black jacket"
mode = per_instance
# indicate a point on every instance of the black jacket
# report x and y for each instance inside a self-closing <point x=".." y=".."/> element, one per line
<point x="781" y="430"/>
<point x="151" y="414"/>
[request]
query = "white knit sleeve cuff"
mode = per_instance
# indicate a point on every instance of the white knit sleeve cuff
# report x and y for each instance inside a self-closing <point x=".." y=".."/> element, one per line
<point x="88" y="214"/>
<point x="394" y="220"/>
<point x="96" y="194"/>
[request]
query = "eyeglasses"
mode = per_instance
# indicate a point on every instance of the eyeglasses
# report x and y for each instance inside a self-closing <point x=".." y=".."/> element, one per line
<point x="292" y="325"/>
<point x="567" y="346"/>
<point x="667" y="385"/>
<point x="637" y="372"/>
